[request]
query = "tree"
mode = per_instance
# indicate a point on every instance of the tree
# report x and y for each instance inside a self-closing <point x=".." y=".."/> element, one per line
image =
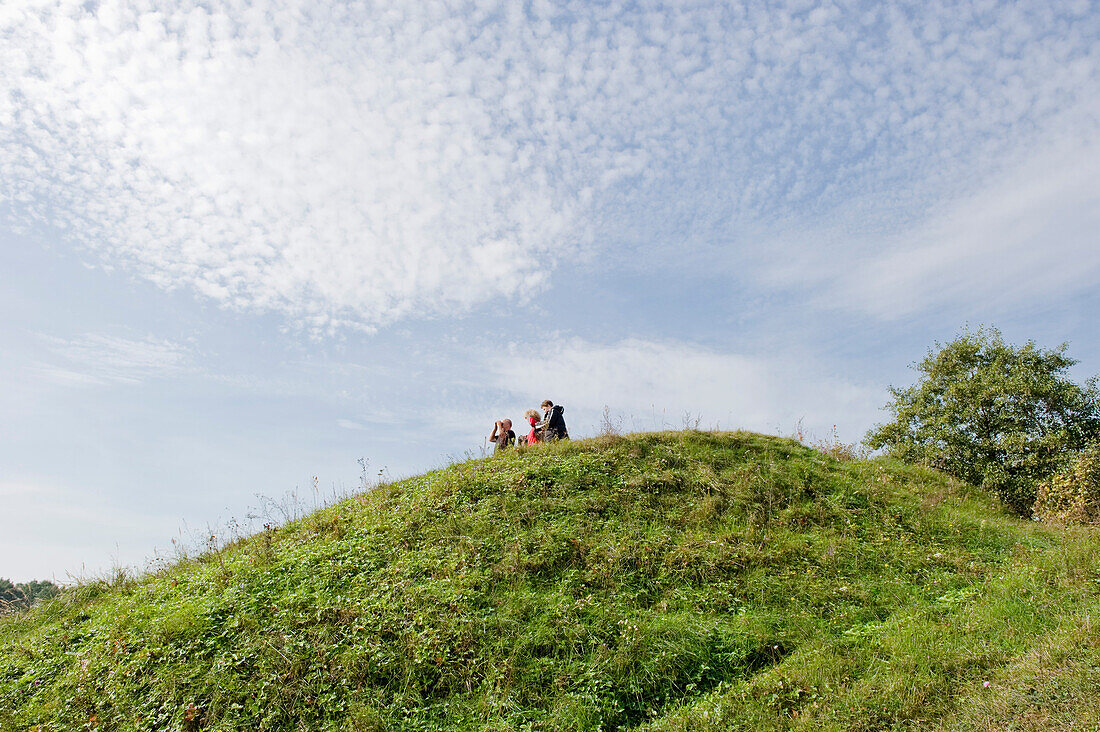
<point x="997" y="416"/>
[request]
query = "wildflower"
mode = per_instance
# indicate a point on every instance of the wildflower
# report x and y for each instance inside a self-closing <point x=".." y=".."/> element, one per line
<point x="985" y="684"/>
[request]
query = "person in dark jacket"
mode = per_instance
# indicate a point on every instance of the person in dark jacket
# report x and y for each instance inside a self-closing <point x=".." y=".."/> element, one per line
<point x="552" y="426"/>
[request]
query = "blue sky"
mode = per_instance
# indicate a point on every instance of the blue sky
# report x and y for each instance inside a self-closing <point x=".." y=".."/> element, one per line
<point x="243" y="244"/>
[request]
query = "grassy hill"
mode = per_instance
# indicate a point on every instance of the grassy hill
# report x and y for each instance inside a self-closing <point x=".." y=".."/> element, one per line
<point x="674" y="581"/>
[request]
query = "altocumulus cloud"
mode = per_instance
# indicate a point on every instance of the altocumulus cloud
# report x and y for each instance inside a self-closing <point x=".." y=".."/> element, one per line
<point x="347" y="163"/>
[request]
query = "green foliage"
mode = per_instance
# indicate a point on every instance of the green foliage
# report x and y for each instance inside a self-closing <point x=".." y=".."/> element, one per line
<point x="14" y="597"/>
<point x="992" y="415"/>
<point x="654" y="582"/>
<point x="1072" y="495"/>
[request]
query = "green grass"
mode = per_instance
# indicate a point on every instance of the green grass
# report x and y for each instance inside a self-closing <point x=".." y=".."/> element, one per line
<point x="658" y="582"/>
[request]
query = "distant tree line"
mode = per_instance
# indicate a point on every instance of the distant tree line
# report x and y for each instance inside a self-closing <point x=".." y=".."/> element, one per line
<point x="20" y="596"/>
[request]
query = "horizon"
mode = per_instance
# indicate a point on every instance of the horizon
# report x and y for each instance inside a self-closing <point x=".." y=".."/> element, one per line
<point x="242" y="249"/>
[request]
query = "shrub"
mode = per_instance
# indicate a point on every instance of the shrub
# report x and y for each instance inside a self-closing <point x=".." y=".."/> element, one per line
<point x="1072" y="495"/>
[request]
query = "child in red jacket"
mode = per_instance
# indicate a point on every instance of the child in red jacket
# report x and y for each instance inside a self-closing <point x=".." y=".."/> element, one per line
<point x="532" y="416"/>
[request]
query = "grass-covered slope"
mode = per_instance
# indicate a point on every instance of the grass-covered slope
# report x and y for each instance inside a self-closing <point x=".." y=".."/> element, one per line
<point x="677" y="581"/>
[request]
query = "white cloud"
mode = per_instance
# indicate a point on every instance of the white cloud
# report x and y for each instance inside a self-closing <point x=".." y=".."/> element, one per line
<point x="347" y="424"/>
<point x="327" y="166"/>
<point x="657" y="384"/>
<point x="1031" y="237"/>
<point x="1028" y="236"/>
<point x="95" y="358"/>
<point x="340" y="163"/>
<point x="11" y="489"/>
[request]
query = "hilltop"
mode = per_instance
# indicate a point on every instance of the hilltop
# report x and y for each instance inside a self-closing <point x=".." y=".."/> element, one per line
<point x="656" y="582"/>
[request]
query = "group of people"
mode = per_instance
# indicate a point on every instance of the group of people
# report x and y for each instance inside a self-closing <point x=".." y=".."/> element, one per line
<point x="546" y="427"/>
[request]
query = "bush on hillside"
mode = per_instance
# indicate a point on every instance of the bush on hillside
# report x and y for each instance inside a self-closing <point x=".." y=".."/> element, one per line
<point x="1072" y="495"/>
<point x="992" y="415"/>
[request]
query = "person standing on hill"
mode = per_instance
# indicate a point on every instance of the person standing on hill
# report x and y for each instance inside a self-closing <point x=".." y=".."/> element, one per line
<point x="532" y="416"/>
<point x="552" y="425"/>
<point x="502" y="436"/>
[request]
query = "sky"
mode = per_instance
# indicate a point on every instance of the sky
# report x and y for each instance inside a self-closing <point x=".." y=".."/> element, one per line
<point x="252" y="250"/>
